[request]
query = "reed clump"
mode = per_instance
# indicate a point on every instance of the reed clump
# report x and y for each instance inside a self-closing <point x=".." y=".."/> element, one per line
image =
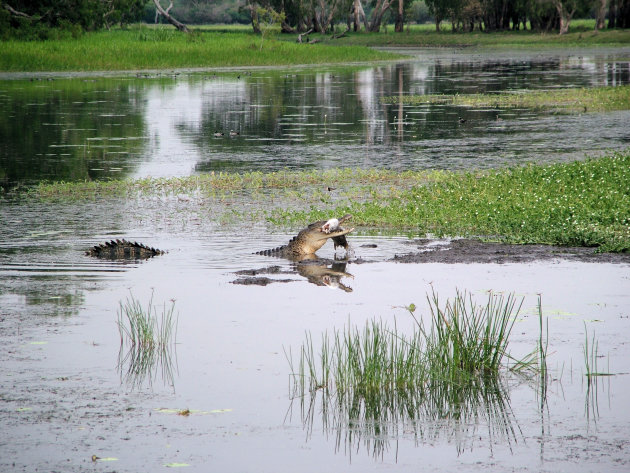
<point x="455" y="355"/>
<point x="147" y="341"/>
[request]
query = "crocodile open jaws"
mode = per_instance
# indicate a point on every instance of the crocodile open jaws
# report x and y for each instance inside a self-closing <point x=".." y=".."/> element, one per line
<point x="312" y="238"/>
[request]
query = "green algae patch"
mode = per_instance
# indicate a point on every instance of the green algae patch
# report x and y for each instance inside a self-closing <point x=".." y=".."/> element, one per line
<point x="575" y="100"/>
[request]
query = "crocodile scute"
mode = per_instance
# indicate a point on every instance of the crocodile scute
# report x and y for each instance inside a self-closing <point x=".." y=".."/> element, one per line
<point x="123" y="249"/>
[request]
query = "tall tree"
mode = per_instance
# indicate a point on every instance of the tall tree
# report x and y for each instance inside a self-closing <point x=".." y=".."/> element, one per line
<point x="378" y="11"/>
<point x="358" y="15"/>
<point x="600" y="19"/>
<point x="565" y="9"/>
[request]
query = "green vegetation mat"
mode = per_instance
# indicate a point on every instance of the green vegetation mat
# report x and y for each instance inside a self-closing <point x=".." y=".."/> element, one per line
<point x="582" y="203"/>
<point x="598" y="99"/>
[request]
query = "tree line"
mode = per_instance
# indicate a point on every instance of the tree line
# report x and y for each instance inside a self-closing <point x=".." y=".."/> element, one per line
<point x="463" y="15"/>
<point x="540" y="15"/>
<point x="35" y="17"/>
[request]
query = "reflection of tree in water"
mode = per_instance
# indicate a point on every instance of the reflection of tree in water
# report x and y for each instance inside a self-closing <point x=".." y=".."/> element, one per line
<point x="69" y="129"/>
<point x="455" y="413"/>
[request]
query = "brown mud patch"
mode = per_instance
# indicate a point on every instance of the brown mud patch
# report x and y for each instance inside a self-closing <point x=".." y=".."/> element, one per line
<point x="475" y="251"/>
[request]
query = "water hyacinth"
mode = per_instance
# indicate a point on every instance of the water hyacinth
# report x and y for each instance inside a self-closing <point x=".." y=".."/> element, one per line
<point x="582" y="203"/>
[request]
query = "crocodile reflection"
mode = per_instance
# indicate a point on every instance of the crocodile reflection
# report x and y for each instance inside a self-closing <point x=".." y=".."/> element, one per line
<point x="318" y="271"/>
<point x="324" y="275"/>
<point x="301" y="251"/>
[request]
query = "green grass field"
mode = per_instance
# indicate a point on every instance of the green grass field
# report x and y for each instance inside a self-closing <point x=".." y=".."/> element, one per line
<point x="161" y="48"/>
<point x="146" y="47"/>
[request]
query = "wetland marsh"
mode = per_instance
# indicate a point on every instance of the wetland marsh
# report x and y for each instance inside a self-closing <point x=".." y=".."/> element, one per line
<point x="228" y="404"/>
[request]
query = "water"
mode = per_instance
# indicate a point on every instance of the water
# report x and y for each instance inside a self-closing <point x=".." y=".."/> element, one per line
<point x="62" y="396"/>
<point x="302" y="118"/>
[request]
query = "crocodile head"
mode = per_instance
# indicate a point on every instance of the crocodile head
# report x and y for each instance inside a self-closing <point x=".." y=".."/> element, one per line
<point x="313" y="237"/>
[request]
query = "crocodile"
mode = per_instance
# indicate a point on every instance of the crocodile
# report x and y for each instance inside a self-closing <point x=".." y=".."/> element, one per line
<point x="312" y="238"/>
<point x="123" y="249"/>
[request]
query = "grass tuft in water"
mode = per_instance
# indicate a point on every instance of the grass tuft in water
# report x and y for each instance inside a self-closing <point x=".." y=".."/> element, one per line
<point x="592" y="374"/>
<point x="149" y="340"/>
<point x="450" y="372"/>
<point x="462" y="342"/>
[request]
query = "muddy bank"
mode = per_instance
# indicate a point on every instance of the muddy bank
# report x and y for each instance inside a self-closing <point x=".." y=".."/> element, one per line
<point x="474" y="251"/>
<point x="329" y="272"/>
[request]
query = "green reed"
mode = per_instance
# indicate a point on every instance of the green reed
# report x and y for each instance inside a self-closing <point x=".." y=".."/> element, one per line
<point x="149" y="339"/>
<point x="462" y="341"/>
<point x="449" y="373"/>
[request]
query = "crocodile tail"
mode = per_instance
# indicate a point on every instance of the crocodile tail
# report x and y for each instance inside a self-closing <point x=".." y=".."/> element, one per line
<point x="272" y="252"/>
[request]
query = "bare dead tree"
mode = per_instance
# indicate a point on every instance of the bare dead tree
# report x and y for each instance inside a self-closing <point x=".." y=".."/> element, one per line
<point x="342" y="34"/>
<point x="14" y="12"/>
<point x="165" y="13"/>
<point x="299" y="38"/>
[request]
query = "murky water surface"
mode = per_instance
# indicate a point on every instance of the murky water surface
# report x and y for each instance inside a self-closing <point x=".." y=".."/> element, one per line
<point x="64" y="396"/>
<point x="165" y="124"/>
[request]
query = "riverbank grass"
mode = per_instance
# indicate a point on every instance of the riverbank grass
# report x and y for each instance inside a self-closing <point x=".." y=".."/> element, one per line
<point x="147" y="48"/>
